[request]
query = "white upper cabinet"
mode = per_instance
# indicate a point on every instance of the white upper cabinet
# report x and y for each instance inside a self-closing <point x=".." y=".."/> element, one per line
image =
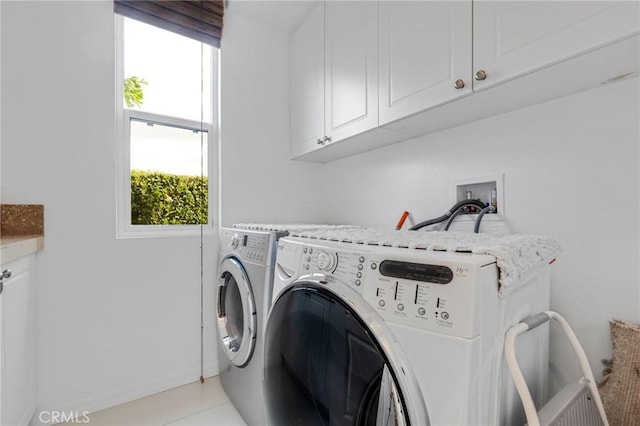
<point x="512" y="38"/>
<point x="334" y="74"/>
<point x="425" y="55"/>
<point x="365" y="74"/>
<point x="351" y="68"/>
<point x="307" y="83"/>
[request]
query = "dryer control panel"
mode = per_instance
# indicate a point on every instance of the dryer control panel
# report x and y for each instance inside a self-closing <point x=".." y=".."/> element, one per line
<point x="251" y="246"/>
<point x="345" y="265"/>
<point x="439" y="295"/>
<point x="433" y="291"/>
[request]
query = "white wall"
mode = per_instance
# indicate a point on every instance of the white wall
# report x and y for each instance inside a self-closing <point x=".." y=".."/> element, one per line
<point x="118" y="319"/>
<point x="259" y="182"/>
<point x="571" y="171"/>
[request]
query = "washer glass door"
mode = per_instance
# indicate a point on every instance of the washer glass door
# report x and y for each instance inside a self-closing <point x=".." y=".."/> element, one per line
<point x="236" y="313"/>
<point x="324" y="365"/>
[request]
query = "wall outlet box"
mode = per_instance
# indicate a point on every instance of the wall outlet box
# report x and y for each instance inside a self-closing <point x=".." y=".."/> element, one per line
<point x="481" y="188"/>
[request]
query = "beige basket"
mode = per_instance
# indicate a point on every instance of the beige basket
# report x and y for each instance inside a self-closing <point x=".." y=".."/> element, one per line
<point x="620" y="389"/>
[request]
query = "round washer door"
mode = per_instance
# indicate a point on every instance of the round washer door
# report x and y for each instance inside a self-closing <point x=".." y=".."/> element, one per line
<point x="236" y="313"/>
<point x="330" y="361"/>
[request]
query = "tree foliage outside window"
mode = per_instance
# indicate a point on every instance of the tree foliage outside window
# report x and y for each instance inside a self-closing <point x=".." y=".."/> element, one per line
<point x="133" y="93"/>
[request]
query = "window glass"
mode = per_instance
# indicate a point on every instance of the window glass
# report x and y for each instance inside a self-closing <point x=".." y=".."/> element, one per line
<point x="169" y="185"/>
<point x="177" y="71"/>
<point x="162" y="148"/>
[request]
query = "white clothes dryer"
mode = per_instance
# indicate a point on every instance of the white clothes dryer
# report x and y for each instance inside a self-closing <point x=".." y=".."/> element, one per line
<point x="361" y="334"/>
<point x="244" y="288"/>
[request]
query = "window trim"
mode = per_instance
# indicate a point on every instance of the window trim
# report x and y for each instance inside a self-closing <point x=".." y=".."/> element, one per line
<point x="124" y="228"/>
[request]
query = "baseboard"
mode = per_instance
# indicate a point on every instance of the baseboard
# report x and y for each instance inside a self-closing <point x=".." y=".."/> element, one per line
<point x="125" y="394"/>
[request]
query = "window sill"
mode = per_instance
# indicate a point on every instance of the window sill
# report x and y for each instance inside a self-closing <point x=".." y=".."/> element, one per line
<point x="165" y="231"/>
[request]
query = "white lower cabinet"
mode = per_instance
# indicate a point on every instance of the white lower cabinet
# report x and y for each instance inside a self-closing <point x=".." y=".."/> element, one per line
<point x="17" y="343"/>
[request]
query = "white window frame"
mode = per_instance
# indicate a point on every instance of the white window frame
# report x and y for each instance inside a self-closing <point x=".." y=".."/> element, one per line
<point x="124" y="227"/>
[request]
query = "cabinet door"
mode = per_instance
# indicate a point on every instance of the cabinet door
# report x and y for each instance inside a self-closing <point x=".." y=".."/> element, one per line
<point x="425" y="47"/>
<point x="307" y="83"/>
<point x="17" y="342"/>
<point x="351" y="68"/>
<point x="512" y="38"/>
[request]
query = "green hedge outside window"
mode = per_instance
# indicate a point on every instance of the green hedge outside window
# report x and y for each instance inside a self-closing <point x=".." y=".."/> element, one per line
<point x="166" y="199"/>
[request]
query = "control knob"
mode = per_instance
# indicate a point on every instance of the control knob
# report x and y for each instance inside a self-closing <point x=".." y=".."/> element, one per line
<point x="327" y="261"/>
<point x="235" y="242"/>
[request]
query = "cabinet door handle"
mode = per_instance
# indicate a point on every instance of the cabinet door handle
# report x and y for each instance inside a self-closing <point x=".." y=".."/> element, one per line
<point x="320" y="142"/>
<point x="5" y="274"/>
<point x="481" y="75"/>
<point x="459" y="84"/>
<point x="327" y="139"/>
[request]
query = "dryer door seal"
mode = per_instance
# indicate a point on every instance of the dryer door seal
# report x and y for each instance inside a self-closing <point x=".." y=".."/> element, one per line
<point x="236" y="312"/>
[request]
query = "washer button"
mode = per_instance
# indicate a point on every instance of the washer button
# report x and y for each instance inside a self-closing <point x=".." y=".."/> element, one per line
<point x="361" y="259"/>
<point x="310" y="251"/>
<point x="358" y="282"/>
<point x="308" y="258"/>
<point x="444" y="315"/>
<point x="359" y="275"/>
<point x="400" y="307"/>
<point x="381" y="303"/>
<point x="422" y="311"/>
<point x="359" y="267"/>
<point x="306" y="267"/>
<point x="374" y="266"/>
<point x="304" y="250"/>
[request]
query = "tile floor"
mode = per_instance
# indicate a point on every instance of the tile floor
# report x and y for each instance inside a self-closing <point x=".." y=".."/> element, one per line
<point x="194" y="404"/>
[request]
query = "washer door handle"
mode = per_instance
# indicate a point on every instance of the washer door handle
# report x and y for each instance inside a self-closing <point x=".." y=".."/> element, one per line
<point x="221" y="293"/>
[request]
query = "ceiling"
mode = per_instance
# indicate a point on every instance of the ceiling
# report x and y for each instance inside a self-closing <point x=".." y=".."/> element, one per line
<point x="283" y="15"/>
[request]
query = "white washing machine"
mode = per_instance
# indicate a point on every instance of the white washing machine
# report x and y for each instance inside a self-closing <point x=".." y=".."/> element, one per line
<point x="362" y="334"/>
<point x="246" y="261"/>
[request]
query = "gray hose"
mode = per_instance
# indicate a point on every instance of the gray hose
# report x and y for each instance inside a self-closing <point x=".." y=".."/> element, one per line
<point x="453" y="217"/>
<point x="488" y="209"/>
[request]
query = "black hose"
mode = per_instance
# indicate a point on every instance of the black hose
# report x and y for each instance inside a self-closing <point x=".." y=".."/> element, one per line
<point x="447" y="215"/>
<point x="429" y="222"/>
<point x="476" y="227"/>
